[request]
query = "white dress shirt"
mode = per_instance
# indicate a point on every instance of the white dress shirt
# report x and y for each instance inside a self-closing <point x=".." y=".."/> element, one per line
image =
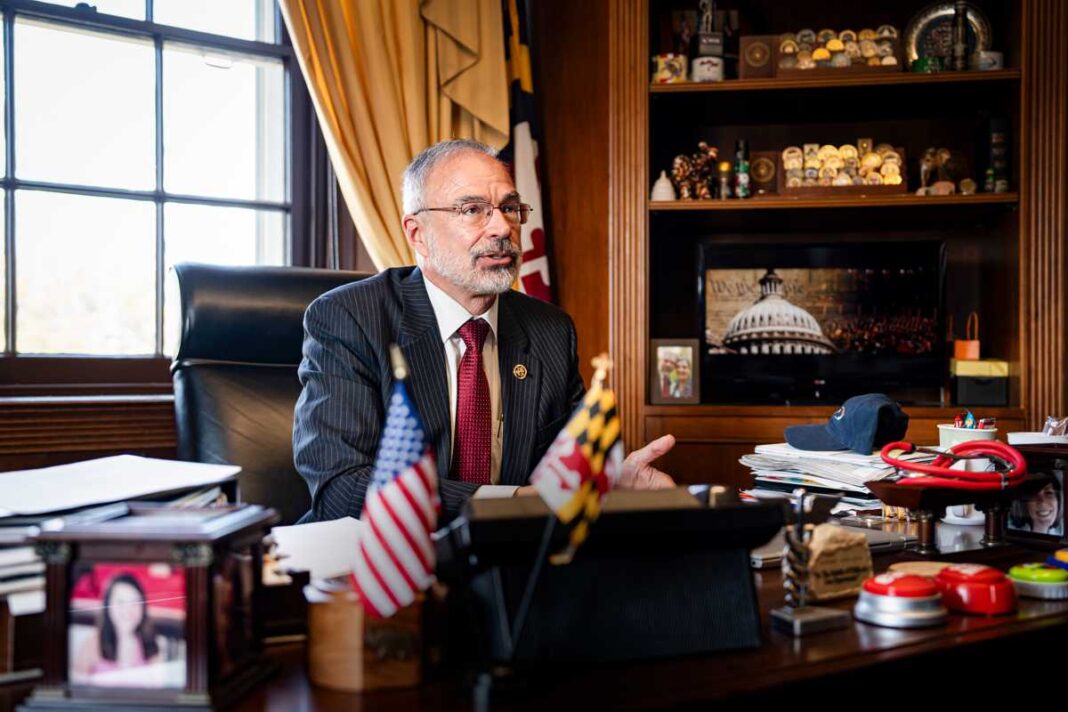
<point x="451" y="315"/>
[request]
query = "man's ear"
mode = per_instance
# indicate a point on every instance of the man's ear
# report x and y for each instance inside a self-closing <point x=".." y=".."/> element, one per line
<point x="415" y="233"/>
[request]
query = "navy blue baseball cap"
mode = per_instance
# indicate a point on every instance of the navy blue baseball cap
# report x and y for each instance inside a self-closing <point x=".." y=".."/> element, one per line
<point x="862" y="424"/>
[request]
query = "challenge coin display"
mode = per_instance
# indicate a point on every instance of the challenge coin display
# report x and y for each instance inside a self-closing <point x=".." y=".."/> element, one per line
<point x="809" y="52"/>
<point x="813" y="168"/>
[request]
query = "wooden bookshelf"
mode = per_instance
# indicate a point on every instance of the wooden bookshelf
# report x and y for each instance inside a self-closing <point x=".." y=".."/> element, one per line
<point x="843" y="82"/>
<point x="779" y="202"/>
<point x="1006" y="251"/>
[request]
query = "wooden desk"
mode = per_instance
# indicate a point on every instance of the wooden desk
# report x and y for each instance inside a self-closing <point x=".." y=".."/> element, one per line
<point x="862" y="662"/>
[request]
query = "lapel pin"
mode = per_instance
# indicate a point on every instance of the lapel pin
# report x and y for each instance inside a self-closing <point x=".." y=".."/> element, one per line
<point x="519" y="371"/>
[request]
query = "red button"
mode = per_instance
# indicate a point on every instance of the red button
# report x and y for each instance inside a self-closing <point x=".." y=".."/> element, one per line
<point x="901" y="585"/>
<point x="969" y="573"/>
<point x="972" y="588"/>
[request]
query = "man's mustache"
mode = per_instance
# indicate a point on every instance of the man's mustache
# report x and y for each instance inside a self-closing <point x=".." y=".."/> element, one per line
<point x="497" y="248"/>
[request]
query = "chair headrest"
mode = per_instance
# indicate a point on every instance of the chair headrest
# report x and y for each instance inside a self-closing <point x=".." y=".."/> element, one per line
<point x="248" y="314"/>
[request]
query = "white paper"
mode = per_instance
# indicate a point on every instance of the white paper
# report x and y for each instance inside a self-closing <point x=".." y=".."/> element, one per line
<point x="26" y="603"/>
<point x="326" y="549"/>
<point x="107" y="479"/>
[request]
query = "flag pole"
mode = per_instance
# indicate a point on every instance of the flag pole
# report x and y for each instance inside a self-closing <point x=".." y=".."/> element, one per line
<point x="601" y="363"/>
<point x="532" y="582"/>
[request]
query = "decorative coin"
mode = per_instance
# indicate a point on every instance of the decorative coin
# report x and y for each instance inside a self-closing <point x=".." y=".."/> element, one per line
<point x="762" y="170"/>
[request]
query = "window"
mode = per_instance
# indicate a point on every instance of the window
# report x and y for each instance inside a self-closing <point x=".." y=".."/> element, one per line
<point x="141" y="133"/>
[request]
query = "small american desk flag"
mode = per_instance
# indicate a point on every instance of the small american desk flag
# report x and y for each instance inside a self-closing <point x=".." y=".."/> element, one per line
<point x="396" y="556"/>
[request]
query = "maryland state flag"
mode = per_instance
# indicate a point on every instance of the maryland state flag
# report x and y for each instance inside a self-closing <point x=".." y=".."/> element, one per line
<point x="583" y="463"/>
<point x="522" y="150"/>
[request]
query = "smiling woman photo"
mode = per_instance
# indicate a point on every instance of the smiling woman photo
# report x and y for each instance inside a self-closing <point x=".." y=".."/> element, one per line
<point x="1041" y="512"/>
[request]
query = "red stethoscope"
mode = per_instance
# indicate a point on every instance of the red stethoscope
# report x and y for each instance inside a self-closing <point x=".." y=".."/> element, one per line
<point x="1010" y="468"/>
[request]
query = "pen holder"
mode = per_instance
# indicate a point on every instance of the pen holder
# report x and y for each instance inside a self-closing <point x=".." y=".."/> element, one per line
<point x="351" y="651"/>
<point x="948" y="436"/>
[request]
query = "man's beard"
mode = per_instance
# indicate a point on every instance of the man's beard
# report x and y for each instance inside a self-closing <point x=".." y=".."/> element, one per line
<point x="466" y="274"/>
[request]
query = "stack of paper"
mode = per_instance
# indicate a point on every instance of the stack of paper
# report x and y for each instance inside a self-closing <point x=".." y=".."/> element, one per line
<point x="33" y="498"/>
<point x="779" y="468"/>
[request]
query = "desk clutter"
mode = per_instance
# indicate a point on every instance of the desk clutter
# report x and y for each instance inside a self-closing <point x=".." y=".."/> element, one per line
<point x="861" y="449"/>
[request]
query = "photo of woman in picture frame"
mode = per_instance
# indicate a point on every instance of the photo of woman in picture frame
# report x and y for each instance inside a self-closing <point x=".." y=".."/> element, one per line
<point x="127" y="626"/>
<point x="1041" y="510"/>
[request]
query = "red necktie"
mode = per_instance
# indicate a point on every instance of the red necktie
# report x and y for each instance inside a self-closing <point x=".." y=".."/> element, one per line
<point x="471" y="452"/>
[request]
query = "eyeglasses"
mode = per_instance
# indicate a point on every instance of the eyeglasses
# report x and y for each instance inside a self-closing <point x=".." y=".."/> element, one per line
<point x="477" y="213"/>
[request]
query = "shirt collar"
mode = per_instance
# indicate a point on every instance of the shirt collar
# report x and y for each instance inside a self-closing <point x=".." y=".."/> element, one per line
<point x="451" y="315"/>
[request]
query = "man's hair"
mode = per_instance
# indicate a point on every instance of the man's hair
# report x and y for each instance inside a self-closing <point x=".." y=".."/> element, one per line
<point x="413" y="181"/>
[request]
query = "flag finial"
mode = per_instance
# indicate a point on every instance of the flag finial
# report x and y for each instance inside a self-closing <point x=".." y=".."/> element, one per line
<point x="400" y="366"/>
<point x="603" y="364"/>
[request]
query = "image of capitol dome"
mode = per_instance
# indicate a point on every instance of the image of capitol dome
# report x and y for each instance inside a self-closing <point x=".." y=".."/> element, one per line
<point x="772" y="325"/>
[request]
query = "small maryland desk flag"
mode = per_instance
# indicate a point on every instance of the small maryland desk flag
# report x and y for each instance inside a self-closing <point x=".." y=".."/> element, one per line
<point x="583" y="463"/>
<point x="396" y="556"/>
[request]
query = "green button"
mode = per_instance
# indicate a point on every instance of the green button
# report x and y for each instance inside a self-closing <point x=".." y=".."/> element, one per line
<point x="1039" y="573"/>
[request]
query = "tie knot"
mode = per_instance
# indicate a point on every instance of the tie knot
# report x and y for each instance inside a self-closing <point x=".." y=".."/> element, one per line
<point x="473" y="332"/>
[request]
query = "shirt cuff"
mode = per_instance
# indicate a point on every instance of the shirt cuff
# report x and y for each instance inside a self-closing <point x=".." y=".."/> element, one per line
<point x="495" y="492"/>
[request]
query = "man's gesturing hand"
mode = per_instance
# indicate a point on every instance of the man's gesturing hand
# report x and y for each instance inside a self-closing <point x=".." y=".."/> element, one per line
<point x="639" y="474"/>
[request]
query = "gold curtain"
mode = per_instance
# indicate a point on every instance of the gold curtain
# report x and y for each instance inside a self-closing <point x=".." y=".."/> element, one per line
<point x="390" y="77"/>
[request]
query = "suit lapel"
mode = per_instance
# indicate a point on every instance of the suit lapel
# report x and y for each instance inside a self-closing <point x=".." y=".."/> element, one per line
<point x="519" y="396"/>
<point x="422" y="346"/>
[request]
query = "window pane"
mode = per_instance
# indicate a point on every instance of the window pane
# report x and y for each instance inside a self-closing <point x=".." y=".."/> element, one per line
<point x="122" y="8"/>
<point x="244" y="19"/>
<point x="223" y="124"/>
<point x="3" y="109"/>
<point x="85" y="107"/>
<point x="224" y="236"/>
<point x="86" y="274"/>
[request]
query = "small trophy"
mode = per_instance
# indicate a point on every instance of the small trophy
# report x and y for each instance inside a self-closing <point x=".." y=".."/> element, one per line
<point x="797" y="617"/>
<point x="709" y="42"/>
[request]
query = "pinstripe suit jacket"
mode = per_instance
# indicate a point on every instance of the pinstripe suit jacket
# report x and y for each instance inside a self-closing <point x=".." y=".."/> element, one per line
<point x="347" y="378"/>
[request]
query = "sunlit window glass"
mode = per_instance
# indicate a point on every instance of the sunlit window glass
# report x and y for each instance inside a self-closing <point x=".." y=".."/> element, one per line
<point x="86" y="274"/>
<point x="244" y="19"/>
<point x="225" y="123"/>
<point x="123" y="8"/>
<point x="84" y="107"/>
<point x="218" y="235"/>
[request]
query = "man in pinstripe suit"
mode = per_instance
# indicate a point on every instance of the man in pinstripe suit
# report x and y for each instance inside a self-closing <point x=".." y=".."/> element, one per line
<point x="462" y="219"/>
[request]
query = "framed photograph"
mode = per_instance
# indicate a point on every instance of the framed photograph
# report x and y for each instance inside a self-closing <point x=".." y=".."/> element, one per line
<point x="153" y="607"/>
<point x="674" y="371"/>
<point x="127" y="625"/>
<point x="818" y="323"/>
<point x="233" y="614"/>
<point x="1038" y="513"/>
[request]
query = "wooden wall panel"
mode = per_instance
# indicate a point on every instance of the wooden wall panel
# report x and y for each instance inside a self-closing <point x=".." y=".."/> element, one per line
<point x="571" y="70"/>
<point x="1044" y="191"/>
<point x="628" y="128"/>
<point x="38" y="432"/>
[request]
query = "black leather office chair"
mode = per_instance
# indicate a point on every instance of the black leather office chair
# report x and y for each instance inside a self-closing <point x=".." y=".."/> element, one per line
<point x="235" y="373"/>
